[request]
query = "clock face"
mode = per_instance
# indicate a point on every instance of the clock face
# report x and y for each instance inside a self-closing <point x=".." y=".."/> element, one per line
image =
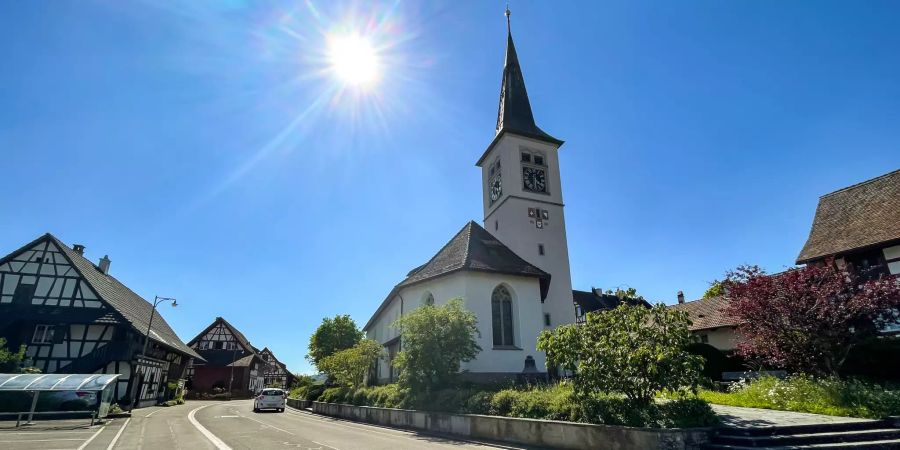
<point x="534" y="179"/>
<point x="496" y="188"/>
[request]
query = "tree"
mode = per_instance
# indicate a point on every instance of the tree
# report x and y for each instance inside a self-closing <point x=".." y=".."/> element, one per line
<point x="301" y="380"/>
<point x="435" y="340"/>
<point x="349" y="367"/>
<point x="632" y="350"/>
<point x="333" y="335"/>
<point x="808" y="319"/>
<point x="10" y="362"/>
<point x="716" y="289"/>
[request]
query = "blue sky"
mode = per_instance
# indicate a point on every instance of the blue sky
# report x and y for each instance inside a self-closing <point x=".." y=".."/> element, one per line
<point x="204" y="146"/>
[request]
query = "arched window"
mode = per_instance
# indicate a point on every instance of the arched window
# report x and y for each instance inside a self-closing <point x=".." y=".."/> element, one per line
<point x="428" y="299"/>
<point x="502" y="316"/>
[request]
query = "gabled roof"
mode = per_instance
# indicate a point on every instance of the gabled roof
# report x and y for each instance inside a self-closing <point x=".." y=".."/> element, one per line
<point x="132" y="307"/>
<point x="855" y="217"/>
<point x="471" y="249"/>
<point x="707" y="313"/>
<point x="245" y="361"/>
<point x="241" y="339"/>
<point x="266" y="350"/>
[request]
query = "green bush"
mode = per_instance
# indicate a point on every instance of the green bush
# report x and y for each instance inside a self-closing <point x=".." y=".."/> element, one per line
<point x="309" y="392"/>
<point x="335" y="395"/>
<point x="551" y="402"/>
<point x="831" y="396"/>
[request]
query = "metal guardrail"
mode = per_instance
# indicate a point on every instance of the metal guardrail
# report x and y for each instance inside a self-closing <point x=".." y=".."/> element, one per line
<point x="93" y="415"/>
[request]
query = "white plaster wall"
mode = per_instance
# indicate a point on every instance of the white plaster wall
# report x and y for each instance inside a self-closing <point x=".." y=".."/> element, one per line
<point x="475" y="288"/>
<point x="528" y="316"/>
<point x="721" y="338"/>
<point x="508" y="220"/>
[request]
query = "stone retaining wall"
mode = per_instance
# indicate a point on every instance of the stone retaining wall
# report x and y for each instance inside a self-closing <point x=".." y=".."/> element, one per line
<point x="544" y="433"/>
<point x="297" y="403"/>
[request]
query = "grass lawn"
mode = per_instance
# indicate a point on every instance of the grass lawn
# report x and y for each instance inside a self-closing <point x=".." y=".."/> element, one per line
<point x="830" y="396"/>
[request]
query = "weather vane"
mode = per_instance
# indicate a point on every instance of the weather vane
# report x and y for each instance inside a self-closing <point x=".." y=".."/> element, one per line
<point x="507" y="14"/>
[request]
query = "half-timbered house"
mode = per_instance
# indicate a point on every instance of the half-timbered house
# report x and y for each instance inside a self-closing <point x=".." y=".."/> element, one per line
<point x="74" y="317"/>
<point x="230" y="363"/>
<point x="275" y="373"/>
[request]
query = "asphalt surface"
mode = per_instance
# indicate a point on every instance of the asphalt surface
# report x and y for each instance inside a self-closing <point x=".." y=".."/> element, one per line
<point x="200" y="425"/>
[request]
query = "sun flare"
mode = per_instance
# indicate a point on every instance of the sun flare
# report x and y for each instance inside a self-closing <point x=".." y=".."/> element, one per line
<point x="353" y="59"/>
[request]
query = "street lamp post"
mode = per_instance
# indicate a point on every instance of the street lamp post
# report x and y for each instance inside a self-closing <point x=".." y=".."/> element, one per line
<point x="156" y="301"/>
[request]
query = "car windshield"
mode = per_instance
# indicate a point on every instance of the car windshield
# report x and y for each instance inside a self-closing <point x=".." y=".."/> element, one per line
<point x="272" y="392"/>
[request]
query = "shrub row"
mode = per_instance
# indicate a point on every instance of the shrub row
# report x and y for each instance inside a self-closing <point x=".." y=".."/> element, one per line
<point x="554" y="402"/>
<point x="832" y="396"/>
<point x="309" y="392"/>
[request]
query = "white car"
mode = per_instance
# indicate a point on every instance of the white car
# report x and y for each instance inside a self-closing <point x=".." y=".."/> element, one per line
<point x="269" y="398"/>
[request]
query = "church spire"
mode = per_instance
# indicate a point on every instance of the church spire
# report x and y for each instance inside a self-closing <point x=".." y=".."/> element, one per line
<point x="514" y="112"/>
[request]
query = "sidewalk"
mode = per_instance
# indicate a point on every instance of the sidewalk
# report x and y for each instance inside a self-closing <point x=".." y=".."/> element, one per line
<point x="739" y="417"/>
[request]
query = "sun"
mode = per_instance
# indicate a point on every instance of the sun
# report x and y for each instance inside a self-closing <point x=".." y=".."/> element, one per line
<point x="353" y="59"/>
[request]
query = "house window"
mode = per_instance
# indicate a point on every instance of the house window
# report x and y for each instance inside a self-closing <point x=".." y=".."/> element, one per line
<point x="43" y="334"/>
<point x="546" y="319"/>
<point x="502" y="317"/>
<point x="539" y="160"/>
<point x="220" y="345"/>
<point x="704" y="338"/>
<point x="541" y="249"/>
<point x="428" y="299"/>
<point x="526" y="157"/>
<point x="496" y="225"/>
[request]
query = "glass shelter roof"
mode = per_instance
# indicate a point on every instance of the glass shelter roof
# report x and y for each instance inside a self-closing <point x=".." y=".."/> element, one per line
<point x="55" y="381"/>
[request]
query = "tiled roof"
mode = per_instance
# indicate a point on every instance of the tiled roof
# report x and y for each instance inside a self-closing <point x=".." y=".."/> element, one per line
<point x="474" y="249"/>
<point x="855" y="217"/>
<point x="131" y="306"/>
<point x="245" y="361"/>
<point x="590" y="301"/>
<point x="707" y="313"/>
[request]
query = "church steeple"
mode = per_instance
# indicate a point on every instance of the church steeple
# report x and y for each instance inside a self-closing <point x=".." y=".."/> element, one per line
<point x="514" y="112"/>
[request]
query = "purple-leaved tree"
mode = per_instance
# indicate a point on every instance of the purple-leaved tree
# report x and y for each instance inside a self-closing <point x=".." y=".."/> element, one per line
<point x="808" y="319"/>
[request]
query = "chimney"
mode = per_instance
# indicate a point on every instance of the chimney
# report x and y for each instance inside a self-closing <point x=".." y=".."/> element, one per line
<point x="680" y="297"/>
<point x="78" y="248"/>
<point x="104" y="264"/>
<point x="597" y="291"/>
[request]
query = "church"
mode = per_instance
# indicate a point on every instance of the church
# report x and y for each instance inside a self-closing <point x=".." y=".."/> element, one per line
<point x="512" y="271"/>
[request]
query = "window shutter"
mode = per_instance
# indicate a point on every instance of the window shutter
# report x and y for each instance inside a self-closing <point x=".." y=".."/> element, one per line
<point x="23" y="294"/>
<point x="59" y="333"/>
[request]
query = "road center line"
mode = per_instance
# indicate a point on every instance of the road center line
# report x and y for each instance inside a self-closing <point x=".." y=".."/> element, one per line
<point x="212" y="438"/>
<point x="116" y="437"/>
<point x="94" y="436"/>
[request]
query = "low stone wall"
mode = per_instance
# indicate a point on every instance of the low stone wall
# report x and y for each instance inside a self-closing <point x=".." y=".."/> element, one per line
<point x="544" y="433"/>
<point x="297" y="403"/>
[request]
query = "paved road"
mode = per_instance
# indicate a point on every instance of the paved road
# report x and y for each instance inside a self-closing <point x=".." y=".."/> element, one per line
<point x="223" y="426"/>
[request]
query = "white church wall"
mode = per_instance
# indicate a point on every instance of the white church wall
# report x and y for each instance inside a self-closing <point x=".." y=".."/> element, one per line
<point x="508" y="220"/>
<point x="527" y="317"/>
<point x="475" y="288"/>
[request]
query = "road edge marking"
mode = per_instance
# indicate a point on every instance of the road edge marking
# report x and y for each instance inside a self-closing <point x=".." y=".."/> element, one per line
<point x="94" y="436"/>
<point x="119" y="434"/>
<point x="208" y="434"/>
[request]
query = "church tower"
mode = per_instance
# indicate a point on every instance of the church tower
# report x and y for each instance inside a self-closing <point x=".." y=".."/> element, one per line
<point x="523" y="204"/>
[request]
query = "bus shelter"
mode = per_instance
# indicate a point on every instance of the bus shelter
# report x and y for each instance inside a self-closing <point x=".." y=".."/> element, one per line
<point x="56" y="394"/>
